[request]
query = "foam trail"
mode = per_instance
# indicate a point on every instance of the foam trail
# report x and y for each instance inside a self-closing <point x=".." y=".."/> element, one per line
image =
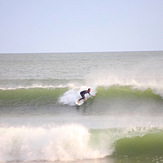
<point x="69" y="98"/>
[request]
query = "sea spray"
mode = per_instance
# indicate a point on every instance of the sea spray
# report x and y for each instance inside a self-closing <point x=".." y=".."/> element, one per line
<point x="68" y="142"/>
<point x="69" y="98"/>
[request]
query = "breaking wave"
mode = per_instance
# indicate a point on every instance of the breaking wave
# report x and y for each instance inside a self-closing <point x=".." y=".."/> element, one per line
<point x="120" y="99"/>
<point x="76" y="142"/>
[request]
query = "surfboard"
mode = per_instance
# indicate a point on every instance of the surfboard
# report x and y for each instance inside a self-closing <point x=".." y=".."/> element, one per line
<point x="79" y="103"/>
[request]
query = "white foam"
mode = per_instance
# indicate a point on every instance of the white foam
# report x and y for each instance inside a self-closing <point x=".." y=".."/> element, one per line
<point x="68" y="142"/>
<point x="71" y="96"/>
<point x="33" y="86"/>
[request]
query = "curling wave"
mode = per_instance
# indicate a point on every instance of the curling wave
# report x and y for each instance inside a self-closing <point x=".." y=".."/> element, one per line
<point x="111" y="100"/>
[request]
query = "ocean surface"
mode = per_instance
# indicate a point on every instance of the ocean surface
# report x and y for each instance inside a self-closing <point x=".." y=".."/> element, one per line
<point x="123" y="123"/>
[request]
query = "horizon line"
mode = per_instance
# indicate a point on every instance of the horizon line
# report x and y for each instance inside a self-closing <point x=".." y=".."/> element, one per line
<point x="81" y="52"/>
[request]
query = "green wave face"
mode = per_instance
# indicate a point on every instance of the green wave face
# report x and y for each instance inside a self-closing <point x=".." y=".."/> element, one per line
<point x="102" y="93"/>
<point x="30" y="96"/>
<point x="149" y="144"/>
<point x="126" y="92"/>
<point x="134" y="145"/>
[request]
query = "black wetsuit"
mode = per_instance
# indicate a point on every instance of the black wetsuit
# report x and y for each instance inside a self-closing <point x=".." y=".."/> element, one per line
<point x="82" y="93"/>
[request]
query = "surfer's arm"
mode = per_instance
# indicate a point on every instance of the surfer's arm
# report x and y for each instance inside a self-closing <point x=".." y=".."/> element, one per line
<point x="90" y="94"/>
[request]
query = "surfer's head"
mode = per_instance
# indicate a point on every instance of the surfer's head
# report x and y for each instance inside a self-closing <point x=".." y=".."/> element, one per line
<point x="89" y="89"/>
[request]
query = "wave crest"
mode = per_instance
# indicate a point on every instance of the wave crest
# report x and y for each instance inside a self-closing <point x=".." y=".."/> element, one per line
<point x="108" y="100"/>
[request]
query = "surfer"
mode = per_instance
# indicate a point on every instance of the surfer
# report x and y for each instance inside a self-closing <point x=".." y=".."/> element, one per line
<point x="82" y="93"/>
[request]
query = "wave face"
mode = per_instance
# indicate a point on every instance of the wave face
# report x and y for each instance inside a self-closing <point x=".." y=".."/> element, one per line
<point x="107" y="100"/>
<point x="149" y="144"/>
<point x="76" y="142"/>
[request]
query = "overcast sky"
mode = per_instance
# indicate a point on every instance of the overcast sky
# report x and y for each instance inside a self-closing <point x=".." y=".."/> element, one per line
<point x="33" y="26"/>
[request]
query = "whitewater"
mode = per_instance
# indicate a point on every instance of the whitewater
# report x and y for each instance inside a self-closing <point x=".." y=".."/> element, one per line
<point x="39" y="121"/>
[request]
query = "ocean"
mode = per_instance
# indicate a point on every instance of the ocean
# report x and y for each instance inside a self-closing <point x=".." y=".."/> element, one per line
<point x="122" y="123"/>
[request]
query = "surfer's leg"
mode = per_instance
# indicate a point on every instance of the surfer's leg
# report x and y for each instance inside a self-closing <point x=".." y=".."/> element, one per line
<point x="83" y="97"/>
<point x="80" y="99"/>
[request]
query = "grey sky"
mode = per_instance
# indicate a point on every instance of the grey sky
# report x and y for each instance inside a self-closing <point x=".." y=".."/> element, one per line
<point x="80" y="25"/>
